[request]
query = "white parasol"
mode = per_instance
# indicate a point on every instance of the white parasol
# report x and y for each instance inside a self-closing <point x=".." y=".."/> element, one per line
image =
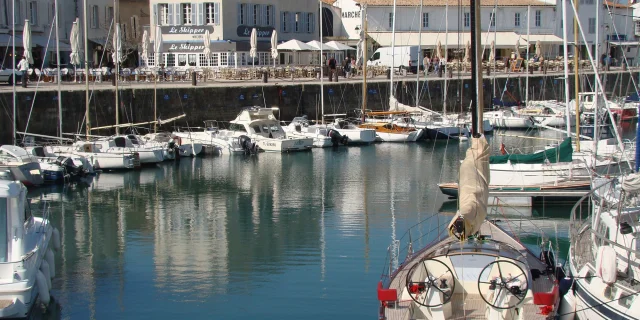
<point x="253" y="52"/>
<point x="145" y="47"/>
<point x="117" y="45"/>
<point x="26" y="41"/>
<point x="467" y="52"/>
<point x="274" y="46"/>
<point x="539" y="49"/>
<point x="517" y="49"/>
<point x="492" y="53"/>
<point x="206" y="39"/>
<point x="439" y="50"/>
<point x="74" y="40"/>
<point x="157" y="47"/>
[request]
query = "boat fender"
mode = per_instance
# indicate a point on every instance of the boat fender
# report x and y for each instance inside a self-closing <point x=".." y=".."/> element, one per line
<point x="606" y="267"/>
<point x="50" y="258"/>
<point x="55" y="234"/>
<point x="44" y="268"/>
<point x="43" y="290"/>
<point x="567" y="306"/>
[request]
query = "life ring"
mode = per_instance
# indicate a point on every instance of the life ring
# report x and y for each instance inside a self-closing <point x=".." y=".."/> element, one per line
<point x="177" y="140"/>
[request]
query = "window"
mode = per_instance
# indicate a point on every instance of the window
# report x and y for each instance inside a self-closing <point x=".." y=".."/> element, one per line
<point x="284" y="24"/>
<point x="243" y="59"/>
<point x="242" y="13"/>
<point x="108" y="15"/>
<point x="151" y="59"/>
<point x="33" y="13"/>
<point x="425" y="19"/>
<point x="170" y="59"/>
<point x="592" y="25"/>
<point x="517" y="19"/>
<point x="134" y="27"/>
<point x="212" y="15"/>
<point x="164" y="14"/>
<point x="492" y="19"/>
<point x="310" y="22"/>
<point x="94" y="17"/>
<point x="538" y="18"/>
<point x="213" y="61"/>
<point x="192" y="59"/>
<point x="467" y="19"/>
<point x="267" y="18"/>
<point x="297" y="24"/>
<point x="231" y="59"/>
<point x="18" y="11"/>
<point x="224" y="58"/>
<point x="255" y="15"/>
<point x="182" y="60"/>
<point x="187" y="13"/>
<point x="390" y="19"/>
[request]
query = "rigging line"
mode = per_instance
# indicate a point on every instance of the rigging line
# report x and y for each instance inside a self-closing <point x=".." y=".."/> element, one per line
<point x="624" y="55"/>
<point x="35" y="93"/>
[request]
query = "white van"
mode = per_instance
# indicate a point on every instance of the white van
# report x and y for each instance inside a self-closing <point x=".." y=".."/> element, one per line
<point x="404" y="57"/>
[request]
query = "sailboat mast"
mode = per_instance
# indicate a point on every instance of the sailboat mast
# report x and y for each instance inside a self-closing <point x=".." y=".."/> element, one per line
<point x="393" y="49"/>
<point x="117" y="62"/>
<point x="566" y="67"/>
<point x="420" y="25"/>
<point x="55" y="4"/>
<point x="526" y="80"/>
<point x="322" y="66"/>
<point x="13" y="56"/>
<point x="446" y="48"/>
<point x="576" y="54"/>
<point x="365" y="59"/>
<point x="476" y="74"/>
<point x="86" y="69"/>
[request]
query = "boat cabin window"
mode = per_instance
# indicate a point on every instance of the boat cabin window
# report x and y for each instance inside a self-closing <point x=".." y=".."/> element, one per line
<point x="133" y="139"/>
<point x="626" y="300"/>
<point x="388" y="126"/>
<point x="256" y="128"/>
<point x="120" y="142"/>
<point x="588" y="277"/>
<point x="3" y="229"/>
<point x="39" y="152"/>
<point x="237" y="127"/>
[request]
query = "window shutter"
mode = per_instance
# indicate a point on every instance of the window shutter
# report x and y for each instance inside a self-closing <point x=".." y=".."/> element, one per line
<point x="303" y="22"/>
<point x="282" y="22"/>
<point x="216" y="13"/>
<point x="177" y="14"/>
<point x="156" y="16"/>
<point x="170" y="20"/>
<point x="194" y="14"/>
<point x="273" y="16"/>
<point x="258" y="15"/>
<point x="312" y="22"/>
<point x="201" y="14"/>
<point x="239" y="14"/>
<point x="263" y="14"/>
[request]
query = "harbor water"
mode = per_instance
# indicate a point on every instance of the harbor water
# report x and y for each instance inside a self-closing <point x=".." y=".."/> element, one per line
<point x="270" y="236"/>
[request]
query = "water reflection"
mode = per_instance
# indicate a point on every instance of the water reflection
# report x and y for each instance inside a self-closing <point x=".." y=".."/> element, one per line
<point x="291" y="233"/>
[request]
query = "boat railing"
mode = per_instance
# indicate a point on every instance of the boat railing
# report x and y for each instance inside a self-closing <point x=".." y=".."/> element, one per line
<point x="421" y="234"/>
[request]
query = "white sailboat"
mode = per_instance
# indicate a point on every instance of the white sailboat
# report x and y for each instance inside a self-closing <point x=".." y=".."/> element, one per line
<point x="479" y="270"/>
<point x="323" y="136"/>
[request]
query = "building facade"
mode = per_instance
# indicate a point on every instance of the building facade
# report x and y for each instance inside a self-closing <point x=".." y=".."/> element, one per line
<point x="230" y="23"/>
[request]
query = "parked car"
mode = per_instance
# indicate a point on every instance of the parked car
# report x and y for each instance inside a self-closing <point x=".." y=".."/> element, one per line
<point x="6" y="75"/>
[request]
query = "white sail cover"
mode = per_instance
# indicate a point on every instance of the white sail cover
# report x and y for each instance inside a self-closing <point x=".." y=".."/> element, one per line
<point x="395" y="105"/>
<point x="473" y="187"/>
<point x="631" y="183"/>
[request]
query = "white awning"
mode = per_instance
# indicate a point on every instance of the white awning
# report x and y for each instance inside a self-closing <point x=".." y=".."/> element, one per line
<point x="624" y="43"/>
<point x="543" y="38"/>
<point x="452" y="40"/>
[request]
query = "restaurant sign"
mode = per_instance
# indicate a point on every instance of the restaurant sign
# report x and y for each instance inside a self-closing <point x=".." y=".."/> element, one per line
<point x="262" y="32"/>
<point x="186" y="29"/>
<point x="184" y="47"/>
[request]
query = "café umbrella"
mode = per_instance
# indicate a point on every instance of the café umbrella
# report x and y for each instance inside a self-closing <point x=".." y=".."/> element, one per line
<point x="274" y="46"/>
<point x="253" y="52"/>
<point x="145" y="47"/>
<point x="206" y="39"/>
<point x="74" y="40"/>
<point x="26" y="41"/>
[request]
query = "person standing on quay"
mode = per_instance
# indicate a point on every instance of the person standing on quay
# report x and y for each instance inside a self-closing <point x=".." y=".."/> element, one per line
<point x="332" y="68"/>
<point x="23" y="66"/>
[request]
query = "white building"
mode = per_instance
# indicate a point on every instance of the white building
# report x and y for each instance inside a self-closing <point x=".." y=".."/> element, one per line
<point x="503" y="21"/>
<point x="230" y="23"/>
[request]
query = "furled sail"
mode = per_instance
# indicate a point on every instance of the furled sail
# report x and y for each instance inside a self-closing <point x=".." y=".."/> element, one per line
<point x="395" y="105"/>
<point x="631" y="183"/>
<point x="474" y="190"/>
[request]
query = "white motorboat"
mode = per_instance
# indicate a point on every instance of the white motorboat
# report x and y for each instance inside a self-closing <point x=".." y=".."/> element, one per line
<point x="97" y="158"/>
<point x="507" y="119"/>
<point x="256" y="127"/>
<point x="173" y="144"/>
<point x="73" y="165"/>
<point x="604" y="258"/>
<point x="21" y="165"/>
<point x="27" y="258"/>
<point x="354" y="134"/>
<point x="323" y="136"/>
<point x="120" y="144"/>
<point x="546" y="113"/>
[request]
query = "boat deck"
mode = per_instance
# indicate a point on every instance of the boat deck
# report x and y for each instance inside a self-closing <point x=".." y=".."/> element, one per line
<point x="470" y="306"/>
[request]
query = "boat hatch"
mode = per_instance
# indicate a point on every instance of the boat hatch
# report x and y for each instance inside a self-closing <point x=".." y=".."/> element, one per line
<point x="120" y="142"/>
